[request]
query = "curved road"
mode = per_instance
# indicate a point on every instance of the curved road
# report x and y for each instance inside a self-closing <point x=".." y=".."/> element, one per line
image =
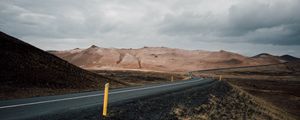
<point x="38" y="106"/>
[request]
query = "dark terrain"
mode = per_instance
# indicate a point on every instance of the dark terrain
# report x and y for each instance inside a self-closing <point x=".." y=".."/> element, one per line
<point x="27" y="71"/>
<point x="278" y="84"/>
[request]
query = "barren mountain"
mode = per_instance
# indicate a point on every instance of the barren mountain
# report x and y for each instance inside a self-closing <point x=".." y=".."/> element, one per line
<point x="158" y="59"/>
<point x="28" y="71"/>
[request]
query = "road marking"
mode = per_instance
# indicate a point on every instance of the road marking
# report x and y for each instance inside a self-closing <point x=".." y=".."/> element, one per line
<point x="48" y="101"/>
<point x="86" y="96"/>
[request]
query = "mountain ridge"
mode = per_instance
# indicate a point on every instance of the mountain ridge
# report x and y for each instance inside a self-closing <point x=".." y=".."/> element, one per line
<point x="160" y="59"/>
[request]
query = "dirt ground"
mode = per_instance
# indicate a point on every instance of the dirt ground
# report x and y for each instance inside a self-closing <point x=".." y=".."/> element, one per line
<point x="276" y="84"/>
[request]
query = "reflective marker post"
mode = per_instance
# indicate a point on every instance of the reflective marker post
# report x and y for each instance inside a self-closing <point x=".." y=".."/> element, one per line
<point x="105" y="99"/>
<point x="220" y="78"/>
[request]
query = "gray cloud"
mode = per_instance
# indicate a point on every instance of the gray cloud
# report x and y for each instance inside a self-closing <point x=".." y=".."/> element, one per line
<point x="272" y="22"/>
<point x="67" y="24"/>
<point x="268" y="23"/>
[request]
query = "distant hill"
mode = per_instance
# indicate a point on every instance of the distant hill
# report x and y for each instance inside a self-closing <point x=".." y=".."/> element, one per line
<point x="267" y="58"/>
<point x="29" y="71"/>
<point x="289" y="58"/>
<point x="158" y="59"/>
<point x="284" y="58"/>
<point x="263" y="55"/>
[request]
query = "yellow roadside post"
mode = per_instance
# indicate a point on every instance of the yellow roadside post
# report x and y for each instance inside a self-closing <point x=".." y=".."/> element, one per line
<point x="172" y="78"/>
<point x="220" y="78"/>
<point x="105" y="100"/>
<point x="190" y="75"/>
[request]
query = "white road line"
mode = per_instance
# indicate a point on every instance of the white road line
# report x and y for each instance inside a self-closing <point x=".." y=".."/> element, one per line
<point x="86" y="96"/>
<point x="48" y="101"/>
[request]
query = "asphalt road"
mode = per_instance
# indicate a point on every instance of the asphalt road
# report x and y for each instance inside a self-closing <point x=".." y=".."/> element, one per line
<point x="39" y="106"/>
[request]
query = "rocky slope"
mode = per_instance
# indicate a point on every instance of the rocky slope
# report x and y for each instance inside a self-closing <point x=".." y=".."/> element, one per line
<point x="158" y="59"/>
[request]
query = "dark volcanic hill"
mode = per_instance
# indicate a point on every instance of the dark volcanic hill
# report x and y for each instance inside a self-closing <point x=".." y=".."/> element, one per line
<point x="289" y="58"/>
<point x="269" y="57"/>
<point x="29" y="71"/>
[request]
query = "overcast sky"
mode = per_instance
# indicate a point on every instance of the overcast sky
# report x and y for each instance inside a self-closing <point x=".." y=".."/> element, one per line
<point x="248" y="27"/>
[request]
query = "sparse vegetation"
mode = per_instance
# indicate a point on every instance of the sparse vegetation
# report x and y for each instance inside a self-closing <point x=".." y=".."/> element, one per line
<point x="278" y="85"/>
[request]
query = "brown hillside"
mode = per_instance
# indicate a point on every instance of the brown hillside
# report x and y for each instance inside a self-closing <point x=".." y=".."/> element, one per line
<point x="157" y="59"/>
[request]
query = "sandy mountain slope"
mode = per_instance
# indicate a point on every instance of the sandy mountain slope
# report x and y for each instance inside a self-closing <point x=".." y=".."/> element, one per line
<point x="158" y="59"/>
